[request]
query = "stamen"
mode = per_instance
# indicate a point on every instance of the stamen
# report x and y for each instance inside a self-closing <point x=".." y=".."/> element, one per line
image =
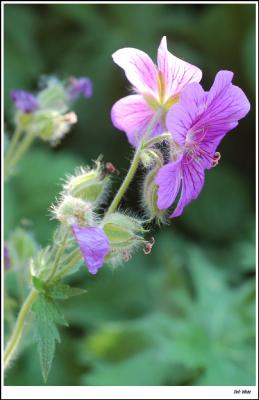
<point x="194" y="151"/>
<point x="216" y="158"/>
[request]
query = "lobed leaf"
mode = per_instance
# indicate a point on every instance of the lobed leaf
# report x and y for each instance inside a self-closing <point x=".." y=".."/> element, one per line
<point x="46" y="316"/>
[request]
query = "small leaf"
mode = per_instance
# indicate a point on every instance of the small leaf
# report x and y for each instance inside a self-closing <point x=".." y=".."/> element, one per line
<point x="46" y="316"/>
<point x="38" y="283"/>
<point x="62" y="291"/>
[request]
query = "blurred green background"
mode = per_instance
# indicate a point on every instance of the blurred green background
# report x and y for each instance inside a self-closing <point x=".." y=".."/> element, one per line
<point x="184" y="315"/>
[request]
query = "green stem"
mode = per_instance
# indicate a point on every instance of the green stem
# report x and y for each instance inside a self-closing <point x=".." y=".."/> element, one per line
<point x="158" y="139"/>
<point x="18" y="329"/>
<point x="19" y="326"/>
<point x="15" y="138"/>
<point x="77" y="257"/>
<point x="125" y="184"/>
<point x="58" y="256"/>
<point x="134" y="164"/>
<point x="21" y="150"/>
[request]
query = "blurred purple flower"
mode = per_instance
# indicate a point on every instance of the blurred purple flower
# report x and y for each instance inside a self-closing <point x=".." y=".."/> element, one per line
<point x="24" y="101"/>
<point x="79" y="86"/>
<point x="93" y="244"/>
<point x="198" y="123"/>
<point x="7" y="262"/>
<point x="155" y="86"/>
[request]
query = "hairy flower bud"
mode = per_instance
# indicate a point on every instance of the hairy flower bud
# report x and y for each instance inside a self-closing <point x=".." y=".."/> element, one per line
<point x="54" y="96"/>
<point x="73" y="211"/>
<point x="149" y="197"/>
<point x="151" y="157"/>
<point x="124" y="234"/>
<point x="51" y="125"/>
<point x="88" y="184"/>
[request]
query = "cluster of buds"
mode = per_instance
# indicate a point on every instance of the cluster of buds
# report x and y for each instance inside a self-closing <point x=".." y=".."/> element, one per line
<point x="110" y="238"/>
<point x="82" y="193"/>
<point x="47" y="115"/>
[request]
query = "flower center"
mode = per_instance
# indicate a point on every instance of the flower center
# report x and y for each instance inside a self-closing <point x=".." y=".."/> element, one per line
<point x="161" y="100"/>
<point x="194" y="150"/>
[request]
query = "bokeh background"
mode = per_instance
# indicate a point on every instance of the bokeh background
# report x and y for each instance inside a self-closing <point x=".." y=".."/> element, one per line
<point x="185" y="314"/>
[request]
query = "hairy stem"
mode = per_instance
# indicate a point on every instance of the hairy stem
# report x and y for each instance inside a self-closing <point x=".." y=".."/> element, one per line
<point x="58" y="256"/>
<point x="14" y="341"/>
<point x="134" y="163"/>
<point x="75" y="259"/>
<point x="126" y="182"/>
<point x="18" y="329"/>
<point x="158" y="139"/>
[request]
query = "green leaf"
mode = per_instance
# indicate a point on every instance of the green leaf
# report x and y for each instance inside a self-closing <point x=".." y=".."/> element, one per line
<point x="38" y="283"/>
<point x="46" y="316"/>
<point x="141" y="369"/>
<point x="62" y="291"/>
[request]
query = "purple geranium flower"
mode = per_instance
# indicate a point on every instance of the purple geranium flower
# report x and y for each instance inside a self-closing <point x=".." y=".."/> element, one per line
<point x="198" y="123"/>
<point x="79" y="86"/>
<point x="24" y="101"/>
<point x="155" y="86"/>
<point x="93" y="244"/>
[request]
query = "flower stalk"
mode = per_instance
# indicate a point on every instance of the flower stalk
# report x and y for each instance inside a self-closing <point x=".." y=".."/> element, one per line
<point x="16" y="152"/>
<point x="54" y="275"/>
<point x="135" y="162"/>
<point x="18" y="329"/>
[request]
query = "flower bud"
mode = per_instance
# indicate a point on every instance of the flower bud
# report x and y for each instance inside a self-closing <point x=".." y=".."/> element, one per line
<point x="149" y="198"/>
<point x="73" y="211"/>
<point x="88" y="184"/>
<point x="124" y="234"/>
<point x="150" y="157"/>
<point x="54" y="96"/>
<point x="50" y="125"/>
<point x="80" y="86"/>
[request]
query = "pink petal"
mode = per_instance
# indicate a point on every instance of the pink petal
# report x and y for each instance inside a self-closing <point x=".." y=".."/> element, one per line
<point x="139" y="68"/>
<point x="176" y="72"/>
<point x="168" y="181"/>
<point x="93" y="244"/>
<point x="131" y="114"/>
<point x="192" y="183"/>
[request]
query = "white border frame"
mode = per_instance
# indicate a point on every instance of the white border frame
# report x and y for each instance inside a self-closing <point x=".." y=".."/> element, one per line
<point x="133" y="392"/>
